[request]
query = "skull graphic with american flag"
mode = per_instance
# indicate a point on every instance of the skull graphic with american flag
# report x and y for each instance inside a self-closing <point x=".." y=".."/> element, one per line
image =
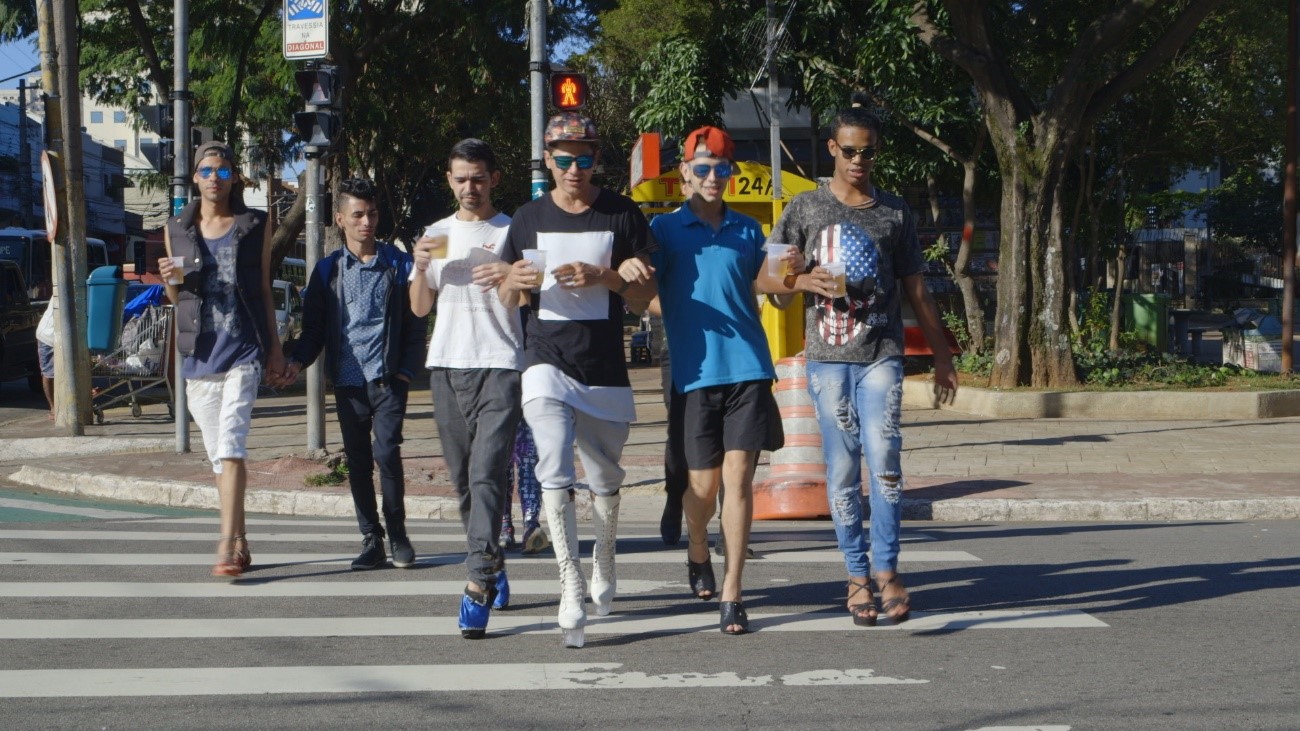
<point x="842" y="320"/>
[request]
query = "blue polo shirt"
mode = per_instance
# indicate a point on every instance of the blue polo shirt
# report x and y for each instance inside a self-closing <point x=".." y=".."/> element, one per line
<point x="706" y="290"/>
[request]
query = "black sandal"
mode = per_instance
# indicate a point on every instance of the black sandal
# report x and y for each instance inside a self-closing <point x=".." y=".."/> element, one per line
<point x="733" y="613"/>
<point x="701" y="577"/>
<point x="864" y="613"/>
<point x="887" y="606"/>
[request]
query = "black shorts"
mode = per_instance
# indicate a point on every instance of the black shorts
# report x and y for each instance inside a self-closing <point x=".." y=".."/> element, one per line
<point x="720" y="419"/>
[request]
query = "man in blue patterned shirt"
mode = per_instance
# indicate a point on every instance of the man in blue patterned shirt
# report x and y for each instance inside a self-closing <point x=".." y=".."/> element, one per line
<point x="358" y="311"/>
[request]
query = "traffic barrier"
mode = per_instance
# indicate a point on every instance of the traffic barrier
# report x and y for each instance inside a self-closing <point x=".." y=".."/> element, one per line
<point x="796" y="483"/>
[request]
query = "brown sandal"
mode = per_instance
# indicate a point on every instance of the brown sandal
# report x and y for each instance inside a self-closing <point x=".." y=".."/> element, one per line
<point x="227" y="564"/>
<point x="889" y="605"/>
<point x="864" y="613"/>
<point x="242" y="555"/>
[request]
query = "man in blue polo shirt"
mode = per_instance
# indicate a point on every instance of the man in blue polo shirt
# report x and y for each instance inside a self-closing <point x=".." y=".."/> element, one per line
<point x="708" y="258"/>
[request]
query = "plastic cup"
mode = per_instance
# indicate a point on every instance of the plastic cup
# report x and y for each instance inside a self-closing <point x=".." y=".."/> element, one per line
<point x="178" y="270"/>
<point x="438" y="244"/>
<point x="537" y="259"/>
<point x="837" y="270"/>
<point x="776" y="266"/>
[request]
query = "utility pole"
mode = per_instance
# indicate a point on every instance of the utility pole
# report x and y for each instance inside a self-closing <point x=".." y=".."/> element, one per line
<point x="315" y="239"/>
<point x="537" y="68"/>
<point x="773" y="112"/>
<point x="180" y="183"/>
<point x="24" y="159"/>
<point x="66" y="412"/>
<point x="1289" y="190"/>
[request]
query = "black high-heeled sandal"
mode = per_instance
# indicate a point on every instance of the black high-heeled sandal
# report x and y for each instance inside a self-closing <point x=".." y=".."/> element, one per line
<point x="864" y="613"/>
<point x="701" y="578"/>
<point x="733" y="613"/>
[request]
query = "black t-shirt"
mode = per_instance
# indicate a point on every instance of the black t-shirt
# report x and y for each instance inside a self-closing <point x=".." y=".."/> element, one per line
<point x="580" y="332"/>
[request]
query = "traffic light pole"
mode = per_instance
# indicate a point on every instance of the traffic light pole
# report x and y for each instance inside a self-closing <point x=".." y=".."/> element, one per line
<point x="537" y="77"/>
<point x="315" y="236"/>
<point x="180" y="185"/>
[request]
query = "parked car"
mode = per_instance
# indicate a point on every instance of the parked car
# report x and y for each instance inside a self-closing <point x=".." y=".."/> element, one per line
<point x="18" y="321"/>
<point x="288" y="309"/>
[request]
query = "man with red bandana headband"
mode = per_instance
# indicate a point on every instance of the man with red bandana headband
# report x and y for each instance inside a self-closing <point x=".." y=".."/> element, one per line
<point x="854" y="347"/>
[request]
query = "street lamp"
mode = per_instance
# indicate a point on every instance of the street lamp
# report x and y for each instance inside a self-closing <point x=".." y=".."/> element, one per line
<point x="31" y="70"/>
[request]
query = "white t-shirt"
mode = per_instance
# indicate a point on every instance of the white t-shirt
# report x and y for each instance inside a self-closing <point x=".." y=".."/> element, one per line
<point x="472" y="329"/>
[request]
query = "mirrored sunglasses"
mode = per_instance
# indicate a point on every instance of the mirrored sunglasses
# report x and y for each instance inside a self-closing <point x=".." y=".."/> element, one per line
<point x="206" y="172"/>
<point x="564" y="162"/>
<point x="721" y="170"/>
<point x="867" y="153"/>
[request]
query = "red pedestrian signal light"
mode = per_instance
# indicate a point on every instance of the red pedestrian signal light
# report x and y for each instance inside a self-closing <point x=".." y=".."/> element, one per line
<point x="568" y="91"/>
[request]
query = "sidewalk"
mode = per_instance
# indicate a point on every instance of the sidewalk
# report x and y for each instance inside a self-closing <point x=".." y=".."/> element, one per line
<point x="957" y="467"/>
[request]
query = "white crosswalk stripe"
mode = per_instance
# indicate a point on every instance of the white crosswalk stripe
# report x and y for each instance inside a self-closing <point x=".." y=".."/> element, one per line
<point x="107" y="609"/>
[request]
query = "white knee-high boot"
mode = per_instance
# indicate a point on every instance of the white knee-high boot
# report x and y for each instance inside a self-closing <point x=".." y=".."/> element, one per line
<point x="562" y="517"/>
<point x="604" y="580"/>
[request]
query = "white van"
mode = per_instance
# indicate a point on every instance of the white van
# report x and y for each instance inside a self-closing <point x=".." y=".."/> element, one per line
<point x="30" y="250"/>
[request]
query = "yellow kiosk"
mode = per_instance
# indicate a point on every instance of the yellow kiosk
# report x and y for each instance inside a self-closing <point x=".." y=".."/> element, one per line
<point x="749" y="192"/>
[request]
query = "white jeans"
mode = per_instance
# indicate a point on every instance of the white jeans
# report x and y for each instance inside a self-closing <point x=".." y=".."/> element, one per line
<point x="222" y="406"/>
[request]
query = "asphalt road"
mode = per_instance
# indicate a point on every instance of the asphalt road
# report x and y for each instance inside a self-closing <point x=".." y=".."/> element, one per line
<point x="109" y="620"/>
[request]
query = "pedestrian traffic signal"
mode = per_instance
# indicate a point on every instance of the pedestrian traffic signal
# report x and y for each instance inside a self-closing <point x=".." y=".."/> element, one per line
<point x="158" y="117"/>
<point x="317" y="128"/>
<point x="568" y="91"/>
<point x="161" y="155"/>
<point x="318" y="86"/>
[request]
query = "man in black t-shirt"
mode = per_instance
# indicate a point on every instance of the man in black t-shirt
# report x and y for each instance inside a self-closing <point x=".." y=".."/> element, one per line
<point x="595" y="245"/>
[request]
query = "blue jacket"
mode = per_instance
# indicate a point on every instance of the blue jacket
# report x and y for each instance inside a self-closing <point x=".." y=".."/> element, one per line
<point x="322" y="321"/>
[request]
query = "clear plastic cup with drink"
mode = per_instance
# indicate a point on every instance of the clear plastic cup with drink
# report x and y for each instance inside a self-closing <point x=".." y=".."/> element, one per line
<point x="537" y="259"/>
<point x="837" y="269"/>
<point x="178" y="270"/>
<point x="777" y="266"/>
<point x="437" y="242"/>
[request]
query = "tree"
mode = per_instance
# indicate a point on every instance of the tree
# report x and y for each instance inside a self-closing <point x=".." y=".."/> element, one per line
<point x="1037" y="115"/>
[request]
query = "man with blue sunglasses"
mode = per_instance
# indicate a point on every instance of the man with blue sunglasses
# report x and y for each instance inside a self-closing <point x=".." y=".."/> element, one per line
<point x="722" y="406"/>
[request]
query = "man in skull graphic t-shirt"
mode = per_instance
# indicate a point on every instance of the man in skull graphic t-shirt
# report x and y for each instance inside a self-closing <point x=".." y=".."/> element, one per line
<point x="854" y="347"/>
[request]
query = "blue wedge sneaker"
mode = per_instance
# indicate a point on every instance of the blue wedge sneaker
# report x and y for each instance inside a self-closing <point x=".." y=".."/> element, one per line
<point x="475" y="608"/>
<point x="502" y="600"/>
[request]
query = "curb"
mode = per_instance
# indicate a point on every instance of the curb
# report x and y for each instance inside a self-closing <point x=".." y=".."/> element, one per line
<point x="1113" y="405"/>
<point x="334" y="505"/>
<point x="47" y="447"/>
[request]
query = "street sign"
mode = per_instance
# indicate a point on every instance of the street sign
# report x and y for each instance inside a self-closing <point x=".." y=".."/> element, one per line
<point x="51" y="198"/>
<point x="306" y="29"/>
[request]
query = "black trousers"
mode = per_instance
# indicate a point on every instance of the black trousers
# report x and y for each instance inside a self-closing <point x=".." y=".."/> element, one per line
<point x="378" y="407"/>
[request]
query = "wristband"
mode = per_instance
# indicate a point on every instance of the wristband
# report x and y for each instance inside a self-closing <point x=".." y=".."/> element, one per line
<point x="790" y="281"/>
<point x="622" y="288"/>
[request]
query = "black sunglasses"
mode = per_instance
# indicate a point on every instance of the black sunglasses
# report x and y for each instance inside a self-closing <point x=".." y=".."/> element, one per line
<point x="867" y="153"/>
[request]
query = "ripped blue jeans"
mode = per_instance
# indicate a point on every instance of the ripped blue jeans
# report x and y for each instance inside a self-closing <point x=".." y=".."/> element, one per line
<point x="859" y="406"/>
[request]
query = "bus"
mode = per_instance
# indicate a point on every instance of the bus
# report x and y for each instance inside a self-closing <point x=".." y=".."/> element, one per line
<point x="30" y="250"/>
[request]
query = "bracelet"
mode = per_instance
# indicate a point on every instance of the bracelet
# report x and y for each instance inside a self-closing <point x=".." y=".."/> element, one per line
<point x="790" y="281"/>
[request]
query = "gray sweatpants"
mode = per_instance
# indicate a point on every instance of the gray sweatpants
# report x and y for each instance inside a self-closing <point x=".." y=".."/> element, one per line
<point x="557" y="428"/>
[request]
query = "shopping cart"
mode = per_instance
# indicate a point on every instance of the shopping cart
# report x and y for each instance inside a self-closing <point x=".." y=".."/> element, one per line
<point x="140" y="367"/>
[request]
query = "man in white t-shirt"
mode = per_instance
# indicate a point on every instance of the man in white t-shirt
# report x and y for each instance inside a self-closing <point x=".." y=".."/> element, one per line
<point x="474" y="361"/>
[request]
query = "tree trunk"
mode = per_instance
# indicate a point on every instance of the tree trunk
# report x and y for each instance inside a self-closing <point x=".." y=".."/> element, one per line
<point x="1031" y="340"/>
<point x="1115" y="311"/>
<point x="970" y="297"/>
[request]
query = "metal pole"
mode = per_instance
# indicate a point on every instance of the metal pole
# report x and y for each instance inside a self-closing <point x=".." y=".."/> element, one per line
<point x="180" y="185"/>
<point x="315" y="236"/>
<point x="537" y="91"/>
<point x="773" y="112"/>
<point x="24" y="158"/>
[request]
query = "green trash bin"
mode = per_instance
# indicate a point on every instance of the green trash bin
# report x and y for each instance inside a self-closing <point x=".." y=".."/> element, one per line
<point x="1147" y="315"/>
